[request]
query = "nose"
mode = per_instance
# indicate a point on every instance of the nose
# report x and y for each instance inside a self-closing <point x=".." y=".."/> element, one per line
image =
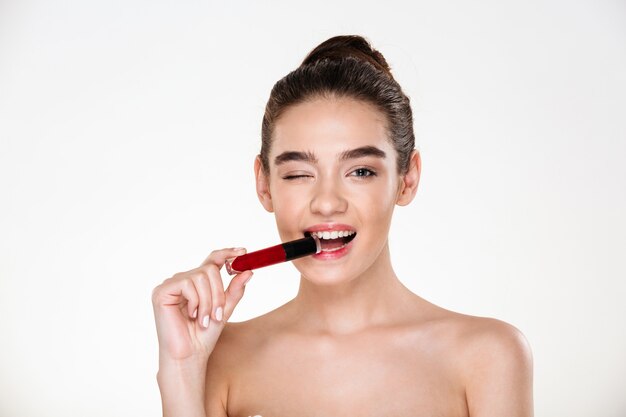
<point x="328" y="199"/>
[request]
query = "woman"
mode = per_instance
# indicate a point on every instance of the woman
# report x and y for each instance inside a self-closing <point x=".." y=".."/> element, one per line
<point x="337" y="155"/>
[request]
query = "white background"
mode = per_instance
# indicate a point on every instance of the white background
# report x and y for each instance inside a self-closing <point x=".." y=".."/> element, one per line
<point x="127" y="135"/>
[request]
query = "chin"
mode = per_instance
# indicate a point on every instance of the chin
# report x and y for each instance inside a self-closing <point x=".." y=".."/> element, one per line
<point x="325" y="275"/>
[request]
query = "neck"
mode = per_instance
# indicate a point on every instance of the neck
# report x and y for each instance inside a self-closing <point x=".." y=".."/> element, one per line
<point x="372" y="298"/>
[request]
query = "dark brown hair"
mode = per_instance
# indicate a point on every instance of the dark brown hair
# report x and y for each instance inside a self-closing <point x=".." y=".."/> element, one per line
<point x="344" y="66"/>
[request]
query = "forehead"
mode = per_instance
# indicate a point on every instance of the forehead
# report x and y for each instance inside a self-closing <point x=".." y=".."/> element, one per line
<point x="326" y="126"/>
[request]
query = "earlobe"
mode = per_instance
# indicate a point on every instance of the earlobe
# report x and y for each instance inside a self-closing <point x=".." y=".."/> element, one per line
<point x="410" y="180"/>
<point x="262" y="185"/>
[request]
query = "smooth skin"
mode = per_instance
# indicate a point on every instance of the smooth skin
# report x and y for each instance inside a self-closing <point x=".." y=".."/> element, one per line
<point x="354" y="340"/>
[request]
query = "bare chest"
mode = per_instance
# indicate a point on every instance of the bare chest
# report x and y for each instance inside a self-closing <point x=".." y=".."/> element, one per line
<point x="355" y="377"/>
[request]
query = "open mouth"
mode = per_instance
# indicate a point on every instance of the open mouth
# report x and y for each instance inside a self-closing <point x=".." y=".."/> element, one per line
<point x="335" y="240"/>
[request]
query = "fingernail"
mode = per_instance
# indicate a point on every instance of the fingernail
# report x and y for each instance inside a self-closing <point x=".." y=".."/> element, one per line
<point x="205" y="322"/>
<point x="195" y="313"/>
<point x="238" y="249"/>
<point x="218" y="313"/>
<point x="248" y="279"/>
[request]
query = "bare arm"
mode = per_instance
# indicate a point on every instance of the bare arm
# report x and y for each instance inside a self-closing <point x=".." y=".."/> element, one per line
<point x="190" y="311"/>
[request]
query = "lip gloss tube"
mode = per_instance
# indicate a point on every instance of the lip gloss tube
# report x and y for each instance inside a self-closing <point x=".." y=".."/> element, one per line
<point x="284" y="252"/>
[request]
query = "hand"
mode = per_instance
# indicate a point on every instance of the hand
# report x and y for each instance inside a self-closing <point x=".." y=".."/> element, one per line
<point x="191" y="308"/>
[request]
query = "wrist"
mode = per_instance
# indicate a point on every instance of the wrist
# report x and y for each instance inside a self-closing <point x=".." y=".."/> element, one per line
<point x="182" y="387"/>
<point x="191" y="370"/>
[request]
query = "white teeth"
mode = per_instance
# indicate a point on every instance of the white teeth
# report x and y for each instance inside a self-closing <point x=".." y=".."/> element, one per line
<point x="334" y="234"/>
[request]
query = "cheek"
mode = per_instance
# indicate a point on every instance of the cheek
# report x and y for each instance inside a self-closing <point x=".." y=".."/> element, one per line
<point x="379" y="197"/>
<point x="287" y="204"/>
<point x="378" y="204"/>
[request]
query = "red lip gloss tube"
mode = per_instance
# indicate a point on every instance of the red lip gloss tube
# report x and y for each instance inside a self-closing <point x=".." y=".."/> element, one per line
<point x="284" y="252"/>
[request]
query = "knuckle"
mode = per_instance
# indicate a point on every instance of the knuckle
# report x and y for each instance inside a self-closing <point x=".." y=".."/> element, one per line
<point x="188" y="286"/>
<point x="203" y="275"/>
<point x="202" y="283"/>
<point x="156" y="292"/>
<point x="212" y="268"/>
<point x="216" y="256"/>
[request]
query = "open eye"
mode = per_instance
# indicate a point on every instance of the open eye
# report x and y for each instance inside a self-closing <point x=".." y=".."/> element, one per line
<point x="363" y="172"/>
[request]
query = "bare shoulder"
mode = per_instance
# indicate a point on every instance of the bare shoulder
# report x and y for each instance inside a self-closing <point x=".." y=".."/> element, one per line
<point x="494" y="365"/>
<point x="471" y="336"/>
<point x="482" y="336"/>
<point x="480" y="342"/>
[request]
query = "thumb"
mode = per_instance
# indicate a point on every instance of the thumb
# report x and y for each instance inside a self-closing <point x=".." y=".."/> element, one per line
<point x="234" y="292"/>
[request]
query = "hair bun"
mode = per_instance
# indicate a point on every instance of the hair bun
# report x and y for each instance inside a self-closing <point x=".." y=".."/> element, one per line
<point x="348" y="46"/>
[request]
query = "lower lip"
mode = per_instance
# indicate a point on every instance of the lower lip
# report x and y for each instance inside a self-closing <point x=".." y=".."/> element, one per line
<point x="336" y="254"/>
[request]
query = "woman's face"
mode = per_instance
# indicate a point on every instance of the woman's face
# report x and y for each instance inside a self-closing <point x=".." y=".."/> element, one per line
<point x="333" y="169"/>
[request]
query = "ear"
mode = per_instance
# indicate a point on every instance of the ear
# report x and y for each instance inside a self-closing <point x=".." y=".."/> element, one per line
<point x="410" y="180"/>
<point x="262" y="185"/>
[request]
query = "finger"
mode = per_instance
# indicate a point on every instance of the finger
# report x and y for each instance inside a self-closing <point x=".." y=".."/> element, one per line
<point x="191" y="295"/>
<point x="176" y="292"/>
<point x="234" y="292"/>
<point x="217" y="292"/>
<point x="219" y="257"/>
<point x="201" y="281"/>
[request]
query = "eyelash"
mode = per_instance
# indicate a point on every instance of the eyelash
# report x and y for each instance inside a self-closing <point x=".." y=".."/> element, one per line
<point x="295" y="177"/>
<point x="368" y="173"/>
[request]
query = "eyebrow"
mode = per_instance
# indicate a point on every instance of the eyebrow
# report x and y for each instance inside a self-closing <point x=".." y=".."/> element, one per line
<point x="362" y="152"/>
<point x="308" y="156"/>
<point x="294" y="156"/>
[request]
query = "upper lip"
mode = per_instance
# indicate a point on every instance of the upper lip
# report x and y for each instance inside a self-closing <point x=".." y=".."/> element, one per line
<point x="329" y="227"/>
